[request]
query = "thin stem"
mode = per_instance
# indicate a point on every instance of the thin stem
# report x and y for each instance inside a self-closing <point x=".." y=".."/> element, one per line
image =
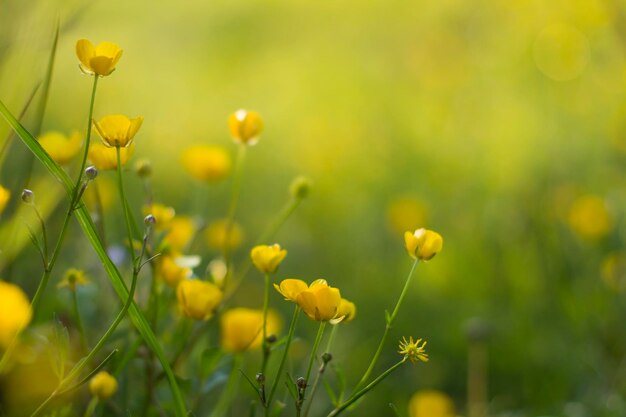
<point x="83" y="162"/>
<point x="320" y="373"/>
<point x="390" y="320"/>
<point x="234" y="199"/>
<point x="231" y="387"/>
<point x="266" y="350"/>
<point x="91" y="407"/>
<point x="127" y="218"/>
<point x="79" y="320"/>
<point x="318" y="339"/>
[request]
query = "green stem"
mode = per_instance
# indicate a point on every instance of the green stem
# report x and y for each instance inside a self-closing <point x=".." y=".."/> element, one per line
<point x="266" y="350"/>
<point x="79" y="320"/>
<point x="231" y="388"/>
<point x="318" y="339"/>
<point x="91" y="407"/>
<point x="234" y="199"/>
<point x="83" y="162"/>
<point x="127" y="218"/>
<point x="365" y="390"/>
<point x="390" y="320"/>
<point x="333" y="332"/>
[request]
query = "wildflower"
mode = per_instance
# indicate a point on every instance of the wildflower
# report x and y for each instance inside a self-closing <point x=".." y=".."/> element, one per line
<point x="206" y="162"/>
<point x="267" y="258"/>
<point x="346" y="310"/>
<point x="180" y="232"/>
<point x="117" y="130"/>
<point x="163" y="214"/>
<point x="72" y="278"/>
<point x="216" y="235"/>
<point x="290" y="288"/>
<point x="198" y="299"/>
<point x="245" y="126"/>
<point x="99" y="60"/>
<point x="319" y="301"/>
<point x="589" y="217"/>
<point x="412" y="350"/>
<point x="28" y="196"/>
<point x="170" y="271"/>
<point x="218" y="270"/>
<point x="242" y="328"/>
<point x="15" y="312"/>
<point x="105" y="159"/>
<point x="300" y="187"/>
<point x="61" y="148"/>
<point x="431" y="403"/>
<point x="423" y="244"/>
<point x="103" y="385"/>
<point x="143" y="168"/>
<point x="5" y="195"/>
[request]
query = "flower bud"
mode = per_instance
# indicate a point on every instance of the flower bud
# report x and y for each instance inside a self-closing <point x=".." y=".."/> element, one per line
<point x="91" y="172"/>
<point x="143" y="168"/>
<point x="300" y="187"/>
<point x="327" y="357"/>
<point x="149" y="220"/>
<point x="267" y="258"/>
<point x="423" y="244"/>
<point x="301" y="383"/>
<point x="103" y="385"/>
<point x="245" y="126"/>
<point x="28" y="196"/>
<point x="260" y="378"/>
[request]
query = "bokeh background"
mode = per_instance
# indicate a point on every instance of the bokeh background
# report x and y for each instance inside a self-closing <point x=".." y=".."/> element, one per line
<point x="500" y="124"/>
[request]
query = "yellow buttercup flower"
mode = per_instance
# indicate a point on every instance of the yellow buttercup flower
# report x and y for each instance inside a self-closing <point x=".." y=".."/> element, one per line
<point x="242" y="328"/>
<point x="15" y="312"/>
<point x="589" y="217"/>
<point x="319" y="301"/>
<point x="105" y="158"/>
<point x="412" y="350"/>
<point x="290" y="288"/>
<point x="5" y="195"/>
<point x="245" y="126"/>
<point x="103" y="385"/>
<point x="170" y="271"/>
<point x="206" y="162"/>
<point x="162" y="213"/>
<point x="347" y="310"/>
<point x="216" y="235"/>
<point x="267" y="258"/>
<point x="61" y="148"/>
<point x="431" y="403"/>
<point x="423" y="244"/>
<point x="180" y="232"/>
<point x="198" y="299"/>
<point x="117" y="130"/>
<point x="99" y="60"/>
<point x="72" y="278"/>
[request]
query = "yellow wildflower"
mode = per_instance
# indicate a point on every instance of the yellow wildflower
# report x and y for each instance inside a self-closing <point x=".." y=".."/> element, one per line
<point x="242" y="328"/>
<point x="267" y="258"/>
<point x="99" y="60"/>
<point x="61" y="148"/>
<point x="105" y="158"/>
<point x="206" y="162"/>
<point x="423" y="244"/>
<point x="72" y="278"/>
<point x="589" y="217"/>
<point x="245" y="126"/>
<point x="216" y="235"/>
<point x="198" y="299"/>
<point x="15" y="312"/>
<point x="103" y="385"/>
<point x="347" y="310"/>
<point x="117" y="130"/>
<point x="102" y="192"/>
<point x="431" y="403"/>
<point x="5" y="195"/>
<point x="290" y="288"/>
<point x="180" y="232"/>
<point x="319" y="301"/>
<point x="162" y="213"/>
<point x="170" y="271"/>
<point x="413" y="350"/>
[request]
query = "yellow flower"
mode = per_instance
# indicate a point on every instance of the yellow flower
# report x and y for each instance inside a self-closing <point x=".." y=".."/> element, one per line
<point x="72" y="278"/>
<point x="346" y="310"/>
<point x="170" y="272"/>
<point x="319" y="301"/>
<point x="589" y="218"/>
<point x="5" y="195"/>
<point x="117" y="130"/>
<point x="413" y="350"/>
<point x="198" y="299"/>
<point x="290" y="288"/>
<point x="103" y="385"/>
<point x="245" y="126"/>
<point x="162" y="213"/>
<point x="216" y="235"/>
<point x="267" y="258"/>
<point x="431" y="403"/>
<point x="105" y="158"/>
<point x="180" y="232"/>
<point x="15" y="312"/>
<point x="423" y="244"/>
<point x="99" y="60"/>
<point x="206" y="162"/>
<point x="242" y="328"/>
<point x="61" y="148"/>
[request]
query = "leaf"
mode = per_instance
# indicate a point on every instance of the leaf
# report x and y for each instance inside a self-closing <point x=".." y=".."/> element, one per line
<point x="394" y="409"/>
<point x="291" y="387"/>
<point x="331" y="393"/>
<point x="255" y="389"/>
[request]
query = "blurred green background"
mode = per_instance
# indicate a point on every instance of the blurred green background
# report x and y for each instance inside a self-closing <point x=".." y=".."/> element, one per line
<point x="500" y="124"/>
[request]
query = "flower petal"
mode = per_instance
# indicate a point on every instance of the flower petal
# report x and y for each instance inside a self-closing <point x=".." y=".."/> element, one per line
<point x="85" y="51"/>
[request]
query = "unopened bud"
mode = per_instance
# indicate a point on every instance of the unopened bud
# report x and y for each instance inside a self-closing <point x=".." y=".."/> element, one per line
<point x="260" y="378"/>
<point x="91" y="172"/>
<point x="143" y="168"/>
<point x="271" y="339"/>
<point x="327" y="357"/>
<point x="300" y="187"/>
<point x="149" y="220"/>
<point x="301" y="383"/>
<point x="28" y="196"/>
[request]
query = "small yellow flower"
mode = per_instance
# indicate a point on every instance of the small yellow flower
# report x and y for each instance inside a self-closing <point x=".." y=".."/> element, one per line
<point x="267" y="258"/>
<point x="242" y="328"/>
<point x="162" y="213"/>
<point x="5" y="195"/>
<point x="105" y="158"/>
<point x="117" y="130"/>
<point x="245" y="126"/>
<point x="431" y="403"/>
<point x="319" y="301"/>
<point x="290" y="288"/>
<point x="103" y="385"/>
<point x="61" y="148"/>
<point x="206" y="162"/>
<point x="589" y="217"/>
<point x="72" y="278"/>
<point x="413" y="350"/>
<point x="170" y="271"/>
<point x="180" y="232"/>
<point x="346" y="310"/>
<point x="99" y="60"/>
<point x="15" y="312"/>
<point x="216" y="235"/>
<point x="423" y="244"/>
<point x="198" y="299"/>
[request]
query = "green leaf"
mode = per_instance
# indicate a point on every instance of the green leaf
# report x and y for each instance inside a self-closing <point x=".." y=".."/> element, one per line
<point x="331" y="393"/>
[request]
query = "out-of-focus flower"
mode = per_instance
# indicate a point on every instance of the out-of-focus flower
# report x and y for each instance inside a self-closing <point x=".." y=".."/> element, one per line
<point x="101" y="192"/>
<point x="5" y="195"/>
<point x="217" y="269"/>
<point x="117" y="130"/>
<point x="73" y="278"/>
<point x="404" y="213"/>
<point x="105" y="158"/>
<point x="170" y="271"/>
<point x="198" y="299"/>
<point x="347" y="310"/>
<point x="300" y="187"/>
<point x="319" y="301"/>
<point x="242" y="328"/>
<point x="245" y="126"/>
<point x="61" y="148"/>
<point x="589" y="218"/>
<point x="143" y="168"/>
<point x="180" y="232"/>
<point x="216" y="235"/>
<point x="423" y="244"/>
<point x="267" y="258"/>
<point x="162" y="213"/>
<point x="431" y="403"/>
<point x="561" y="52"/>
<point x="206" y="162"/>
<point x="413" y="350"/>
<point x="15" y="312"/>
<point x="99" y="60"/>
<point x="614" y="271"/>
<point x="103" y="385"/>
